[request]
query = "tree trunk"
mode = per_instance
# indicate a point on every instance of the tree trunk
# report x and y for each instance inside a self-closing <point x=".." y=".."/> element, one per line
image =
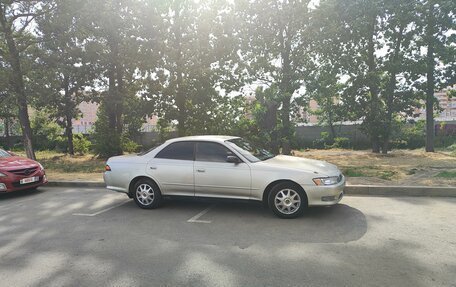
<point x="331" y="123"/>
<point x="7" y="133"/>
<point x="18" y="86"/>
<point x="69" y="133"/>
<point x="120" y="97"/>
<point x="430" y="63"/>
<point x="286" y="130"/>
<point x="270" y="124"/>
<point x="68" y="114"/>
<point x="180" y="93"/>
<point x="390" y="90"/>
<point x="375" y="144"/>
<point x="373" y="88"/>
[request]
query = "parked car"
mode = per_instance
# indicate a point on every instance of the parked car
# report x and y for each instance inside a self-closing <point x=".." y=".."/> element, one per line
<point x="225" y="167"/>
<point x="18" y="173"/>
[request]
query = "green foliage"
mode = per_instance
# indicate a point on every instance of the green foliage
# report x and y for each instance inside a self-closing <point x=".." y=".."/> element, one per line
<point x="323" y="142"/>
<point x="410" y="136"/>
<point x="353" y="172"/>
<point x="447" y="174"/>
<point x="452" y="148"/>
<point x="47" y="133"/>
<point x="81" y="144"/>
<point x="107" y="141"/>
<point x="130" y="146"/>
<point x="341" y="142"/>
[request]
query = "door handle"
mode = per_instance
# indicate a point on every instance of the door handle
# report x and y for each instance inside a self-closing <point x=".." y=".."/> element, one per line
<point x="201" y="170"/>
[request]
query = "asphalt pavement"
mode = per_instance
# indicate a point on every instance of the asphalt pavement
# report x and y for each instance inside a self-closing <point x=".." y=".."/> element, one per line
<point x="94" y="237"/>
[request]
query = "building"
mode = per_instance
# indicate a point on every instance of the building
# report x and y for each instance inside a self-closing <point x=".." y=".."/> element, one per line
<point x="447" y="106"/>
<point x="84" y="124"/>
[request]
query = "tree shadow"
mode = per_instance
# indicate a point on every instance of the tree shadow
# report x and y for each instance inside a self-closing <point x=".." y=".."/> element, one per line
<point x="43" y="244"/>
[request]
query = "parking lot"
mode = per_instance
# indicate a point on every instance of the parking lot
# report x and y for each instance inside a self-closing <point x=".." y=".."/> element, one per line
<point x="95" y="237"/>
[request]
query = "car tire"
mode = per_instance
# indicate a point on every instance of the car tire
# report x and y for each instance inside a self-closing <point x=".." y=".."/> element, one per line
<point x="146" y="194"/>
<point x="287" y="200"/>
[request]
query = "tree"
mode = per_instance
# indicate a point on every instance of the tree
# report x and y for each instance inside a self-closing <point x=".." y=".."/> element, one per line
<point x="15" y="20"/>
<point x="370" y="44"/>
<point x="437" y="21"/>
<point x="322" y="86"/>
<point x="113" y="44"/>
<point x="65" y="64"/>
<point x="195" y="73"/>
<point x="275" y="48"/>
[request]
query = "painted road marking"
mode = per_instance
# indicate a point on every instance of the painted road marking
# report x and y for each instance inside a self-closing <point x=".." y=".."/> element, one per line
<point x="101" y="211"/>
<point x="194" y="219"/>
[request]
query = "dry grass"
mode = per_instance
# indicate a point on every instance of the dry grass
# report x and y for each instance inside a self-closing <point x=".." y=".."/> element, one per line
<point x="400" y="167"/>
<point x="60" y="166"/>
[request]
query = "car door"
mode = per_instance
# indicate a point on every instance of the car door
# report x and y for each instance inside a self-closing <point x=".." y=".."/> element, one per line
<point x="215" y="177"/>
<point x="172" y="168"/>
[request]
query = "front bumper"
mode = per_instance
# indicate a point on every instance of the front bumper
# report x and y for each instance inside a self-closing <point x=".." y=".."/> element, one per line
<point x="12" y="183"/>
<point x="325" y="195"/>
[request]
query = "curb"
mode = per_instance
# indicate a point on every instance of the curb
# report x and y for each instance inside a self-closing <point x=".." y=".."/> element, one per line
<point x="380" y="190"/>
<point x="87" y="184"/>
<point x="370" y="190"/>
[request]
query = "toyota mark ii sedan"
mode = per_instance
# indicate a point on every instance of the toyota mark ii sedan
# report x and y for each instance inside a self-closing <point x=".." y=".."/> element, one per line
<point x="225" y="167"/>
<point x="19" y="173"/>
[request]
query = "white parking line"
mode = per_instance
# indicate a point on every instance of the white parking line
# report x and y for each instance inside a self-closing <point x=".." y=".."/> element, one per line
<point x="101" y="211"/>
<point x="194" y="219"/>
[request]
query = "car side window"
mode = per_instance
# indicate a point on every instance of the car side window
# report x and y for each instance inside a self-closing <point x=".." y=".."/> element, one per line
<point x="213" y="152"/>
<point x="179" y="150"/>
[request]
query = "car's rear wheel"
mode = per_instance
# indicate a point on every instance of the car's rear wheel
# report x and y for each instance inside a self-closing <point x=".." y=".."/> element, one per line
<point x="146" y="194"/>
<point x="287" y="200"/>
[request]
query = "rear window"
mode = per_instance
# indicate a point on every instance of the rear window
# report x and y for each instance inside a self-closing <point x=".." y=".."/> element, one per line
<point x="179" y="150"/>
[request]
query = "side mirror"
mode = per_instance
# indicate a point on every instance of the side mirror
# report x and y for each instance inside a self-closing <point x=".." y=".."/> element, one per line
<point x="233" y="159"/>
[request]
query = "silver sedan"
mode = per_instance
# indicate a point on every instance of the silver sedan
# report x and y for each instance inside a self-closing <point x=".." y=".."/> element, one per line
<point x="225" y="167"/>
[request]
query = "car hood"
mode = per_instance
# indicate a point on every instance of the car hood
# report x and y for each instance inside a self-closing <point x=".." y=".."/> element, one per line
<point x="16" y="162"/>
<point x="305" y="164"/>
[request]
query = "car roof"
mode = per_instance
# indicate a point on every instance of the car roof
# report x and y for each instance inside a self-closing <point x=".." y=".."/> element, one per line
<point x="212" y="138"/>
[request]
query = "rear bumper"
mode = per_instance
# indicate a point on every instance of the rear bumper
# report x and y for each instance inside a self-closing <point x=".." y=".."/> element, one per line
<point x="325" y="195"/>
<point x="110" y="183"/>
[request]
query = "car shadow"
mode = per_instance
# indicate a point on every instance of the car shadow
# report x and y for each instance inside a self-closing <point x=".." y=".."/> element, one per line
<point x="250" y="222"/>
<point x="20" y="194"/>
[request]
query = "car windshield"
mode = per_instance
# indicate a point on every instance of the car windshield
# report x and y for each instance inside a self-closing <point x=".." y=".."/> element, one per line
<point x="250" y="151"/>
<point x="4" y="154"/>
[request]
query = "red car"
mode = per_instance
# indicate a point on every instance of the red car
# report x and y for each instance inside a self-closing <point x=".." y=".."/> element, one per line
<point x="18" y="173"/>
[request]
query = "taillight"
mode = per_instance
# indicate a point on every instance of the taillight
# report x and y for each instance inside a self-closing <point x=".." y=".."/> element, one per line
<point x="107" y="168"/>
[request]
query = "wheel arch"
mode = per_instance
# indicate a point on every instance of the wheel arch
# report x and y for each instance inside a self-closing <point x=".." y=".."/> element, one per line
<point x="135" y="180"/>
<point x="268" y="189"/>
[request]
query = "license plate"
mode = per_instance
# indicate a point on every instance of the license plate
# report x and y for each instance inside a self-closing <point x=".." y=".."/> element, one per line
<point x="29" y="180"/>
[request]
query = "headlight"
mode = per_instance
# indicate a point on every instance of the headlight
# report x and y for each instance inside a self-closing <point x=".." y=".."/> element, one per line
<point x="2" y="174"/>
<point x="41" y="167"/>
<point x="326" y="180"/>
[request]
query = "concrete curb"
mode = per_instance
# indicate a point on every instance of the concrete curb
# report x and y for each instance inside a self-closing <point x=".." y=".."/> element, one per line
<point x="380" y="190"/>
<point x="82" y="184"/>
<point x="372" y="190"/>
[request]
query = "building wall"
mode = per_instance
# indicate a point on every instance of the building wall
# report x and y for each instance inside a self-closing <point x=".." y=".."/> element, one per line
<point x="447" y="106"/>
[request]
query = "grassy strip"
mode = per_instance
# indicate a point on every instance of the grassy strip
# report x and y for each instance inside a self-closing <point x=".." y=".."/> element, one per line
<point x="62" y="163"/>
<point x="447" y="174"/>
<point x="368" y="171"/>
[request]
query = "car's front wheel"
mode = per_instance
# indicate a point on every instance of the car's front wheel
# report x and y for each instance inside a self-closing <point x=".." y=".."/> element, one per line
<point x="287" y="200"/>
<point x="146" y="194"/>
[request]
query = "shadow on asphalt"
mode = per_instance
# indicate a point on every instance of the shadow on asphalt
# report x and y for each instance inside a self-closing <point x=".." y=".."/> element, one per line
<point x="20" y="194"/>
<point x="247" y="222"/>
<point x="43" y="244"/>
